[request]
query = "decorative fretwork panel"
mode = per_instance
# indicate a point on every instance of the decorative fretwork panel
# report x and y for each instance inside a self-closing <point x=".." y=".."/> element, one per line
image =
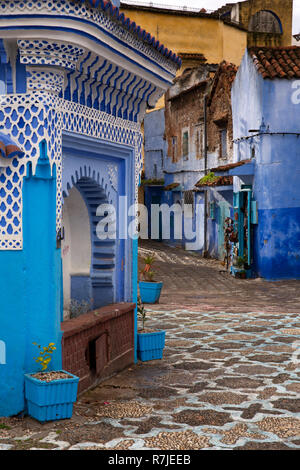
<point x="29" y="119"/>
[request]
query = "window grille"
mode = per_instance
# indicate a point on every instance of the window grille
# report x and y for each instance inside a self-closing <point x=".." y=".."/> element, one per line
<point x="185" y="145"/>
<point x="189" y="198"/>
<point x="223" y="143"/>
<point x="264" y="22"/>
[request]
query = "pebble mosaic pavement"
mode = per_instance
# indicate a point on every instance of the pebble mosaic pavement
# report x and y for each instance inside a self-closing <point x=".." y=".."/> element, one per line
<point x="228" y="380"/>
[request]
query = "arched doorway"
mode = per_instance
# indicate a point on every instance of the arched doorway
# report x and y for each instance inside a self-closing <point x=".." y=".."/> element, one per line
<point x="88" y="263"/>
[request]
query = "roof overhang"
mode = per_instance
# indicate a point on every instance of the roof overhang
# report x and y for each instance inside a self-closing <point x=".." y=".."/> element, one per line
<point x="244" y="170"/>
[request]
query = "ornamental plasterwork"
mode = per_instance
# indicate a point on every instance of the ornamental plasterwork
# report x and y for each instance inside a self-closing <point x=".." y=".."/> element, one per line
<point x="113" y="176"/>
<point x="89" y="79"/>
<point x="43" y="52"/>
<point x="99" y="18"/>
<point x="30" y="118"/>
<point x="45" y="80"/>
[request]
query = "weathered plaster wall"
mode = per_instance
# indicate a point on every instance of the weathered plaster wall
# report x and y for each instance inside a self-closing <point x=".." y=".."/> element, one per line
<point x="220" y="111"/>
<point x="247" y="105"/>
<point x="185" y="112"/>
<point x="155" y="144"/>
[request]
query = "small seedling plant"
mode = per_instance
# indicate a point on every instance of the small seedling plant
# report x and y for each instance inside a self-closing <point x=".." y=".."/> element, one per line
<point x="142" y="313"/>
<point x="45" y="355"/>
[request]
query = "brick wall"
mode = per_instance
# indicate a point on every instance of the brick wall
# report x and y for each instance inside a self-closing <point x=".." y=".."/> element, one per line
<point x="219" y="114"/>
<point x="98" y="344"/>
<point x="184" y="110"/>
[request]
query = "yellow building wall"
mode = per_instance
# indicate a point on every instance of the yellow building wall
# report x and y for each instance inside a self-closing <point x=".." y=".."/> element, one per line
<point x="234" y="44"/>
<point x="192" y="34"/>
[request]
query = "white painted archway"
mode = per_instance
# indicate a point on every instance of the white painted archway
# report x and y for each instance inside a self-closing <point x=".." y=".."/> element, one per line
<point x="76" y="246"/>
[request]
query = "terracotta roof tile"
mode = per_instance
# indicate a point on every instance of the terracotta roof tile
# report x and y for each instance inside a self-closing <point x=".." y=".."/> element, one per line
<point x="218" y="181"/>
<point x="277" y="62"/>
<point x="8" y="148"/>
<point x="230" y="166"/>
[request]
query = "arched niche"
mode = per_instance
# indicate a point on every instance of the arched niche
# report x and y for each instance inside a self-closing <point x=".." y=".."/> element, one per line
<point x="265" y="21"/>
<point x="76" y="245"/>
<point x="88" y="262"/>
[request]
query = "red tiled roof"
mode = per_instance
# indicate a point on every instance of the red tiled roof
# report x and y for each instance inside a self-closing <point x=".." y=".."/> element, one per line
<point x="217" y="181"/>
<point x="230" y="166"/>
<point x="277" y="62"/>
<point x="192" y="56"/>
<point x="8" y="148"/>
<point x="171" y="186"/>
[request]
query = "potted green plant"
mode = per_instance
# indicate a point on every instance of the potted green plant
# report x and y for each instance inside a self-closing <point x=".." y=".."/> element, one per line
<point x="50" y="395"/>
<point x="149" y="288"/>
<point x="241" y="268"/>
<point x="150" y="343"/>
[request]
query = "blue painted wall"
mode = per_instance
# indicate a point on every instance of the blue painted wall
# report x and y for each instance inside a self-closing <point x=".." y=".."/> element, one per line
<point x="277" y="165"/>
<point x="30" y="289"/>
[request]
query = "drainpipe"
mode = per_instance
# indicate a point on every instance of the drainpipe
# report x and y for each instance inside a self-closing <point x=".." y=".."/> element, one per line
<point x="205" y="172"/>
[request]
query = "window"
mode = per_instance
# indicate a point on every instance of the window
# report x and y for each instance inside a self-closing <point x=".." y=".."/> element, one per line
<point x="223" y="143"/>
<point x="189" y="201"/>
<point x="212" y="210"/>
<point x="199" y="141"/>
<point x="174" y="148"/>
<point x="185" y="144"/>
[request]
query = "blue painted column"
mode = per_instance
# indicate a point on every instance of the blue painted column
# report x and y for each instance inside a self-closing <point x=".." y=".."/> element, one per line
<point x="30" y="288"/>
<point x="42" y="260"/>
<point x="12" y="332"/>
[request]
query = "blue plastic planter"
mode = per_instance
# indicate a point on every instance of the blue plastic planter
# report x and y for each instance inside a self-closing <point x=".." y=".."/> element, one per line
<point x="150" y="291"/>
<point x="150" y="345"/>
<point x="50" y="401"/>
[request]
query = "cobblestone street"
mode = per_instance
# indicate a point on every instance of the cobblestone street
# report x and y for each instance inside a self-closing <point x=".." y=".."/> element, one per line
<point x="191" y="280"/>
<point x="229" y="379"/>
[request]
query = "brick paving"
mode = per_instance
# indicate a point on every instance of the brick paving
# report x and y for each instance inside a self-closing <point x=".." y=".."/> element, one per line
<point x="229" y="379"/>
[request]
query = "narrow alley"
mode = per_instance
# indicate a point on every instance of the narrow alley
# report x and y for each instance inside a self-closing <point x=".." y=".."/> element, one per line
<point x="229" y="378"/>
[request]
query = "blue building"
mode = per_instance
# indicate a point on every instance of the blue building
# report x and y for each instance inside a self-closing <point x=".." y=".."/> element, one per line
<point x="75" y="78"/>
<point x="266" y="126"/>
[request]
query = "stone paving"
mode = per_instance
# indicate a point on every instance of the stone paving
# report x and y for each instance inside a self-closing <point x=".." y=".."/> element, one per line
<point x="229" y="379"/>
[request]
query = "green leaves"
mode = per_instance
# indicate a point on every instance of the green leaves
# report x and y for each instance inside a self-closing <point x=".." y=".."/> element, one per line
<point x="142" y="312"/>
<point x="45" y="355"/>
<point x="148" y="272"/>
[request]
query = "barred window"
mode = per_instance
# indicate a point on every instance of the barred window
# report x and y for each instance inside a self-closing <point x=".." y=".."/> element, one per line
<point x="223" y="143"/>
<point x="265" y="22"/>
<point x="174" y="148"/>
<point x="199" y="141"/>
<point x="189" y="198"/>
